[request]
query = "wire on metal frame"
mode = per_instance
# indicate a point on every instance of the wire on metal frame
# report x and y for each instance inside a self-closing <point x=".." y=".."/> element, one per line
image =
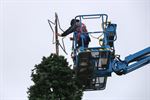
<point x="63" y="45"/>
<point x="98" y="38"/>
<point x="50" y="22"/>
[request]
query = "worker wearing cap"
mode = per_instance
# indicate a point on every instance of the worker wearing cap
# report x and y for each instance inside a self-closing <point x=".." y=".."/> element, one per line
<point x="79" y="28"/>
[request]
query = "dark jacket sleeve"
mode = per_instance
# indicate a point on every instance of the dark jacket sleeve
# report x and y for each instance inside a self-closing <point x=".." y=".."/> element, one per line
<point x="69" y="30"/>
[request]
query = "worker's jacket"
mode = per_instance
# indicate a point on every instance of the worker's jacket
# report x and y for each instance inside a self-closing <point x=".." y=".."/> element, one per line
<point x="80" y="30"/>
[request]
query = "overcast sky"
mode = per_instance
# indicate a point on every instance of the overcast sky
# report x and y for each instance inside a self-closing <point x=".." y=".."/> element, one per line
<point x="25" y="37"/>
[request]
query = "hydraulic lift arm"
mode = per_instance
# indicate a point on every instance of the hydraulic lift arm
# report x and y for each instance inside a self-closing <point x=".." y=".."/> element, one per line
<point x="131" y="62"/>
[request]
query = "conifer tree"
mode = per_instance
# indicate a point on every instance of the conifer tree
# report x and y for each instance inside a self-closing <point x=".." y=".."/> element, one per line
<point x="54" y="80"/>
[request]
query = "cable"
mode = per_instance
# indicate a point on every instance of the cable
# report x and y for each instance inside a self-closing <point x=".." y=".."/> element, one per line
<point x="99" y="38"/>
<point x="50" y="22"/>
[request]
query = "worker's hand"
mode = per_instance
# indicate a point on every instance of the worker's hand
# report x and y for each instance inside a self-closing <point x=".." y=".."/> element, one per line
<point x="58" y="34"/>
<point x="71" y="38"/>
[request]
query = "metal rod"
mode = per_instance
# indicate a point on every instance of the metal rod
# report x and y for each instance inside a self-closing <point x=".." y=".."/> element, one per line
<point x="56" y="36"/>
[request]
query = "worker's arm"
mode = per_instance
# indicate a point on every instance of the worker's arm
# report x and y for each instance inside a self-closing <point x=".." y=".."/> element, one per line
<point x="68" y="31"/>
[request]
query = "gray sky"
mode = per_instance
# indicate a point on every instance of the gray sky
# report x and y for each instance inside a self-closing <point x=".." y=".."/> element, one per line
<point x="25" y="38"/>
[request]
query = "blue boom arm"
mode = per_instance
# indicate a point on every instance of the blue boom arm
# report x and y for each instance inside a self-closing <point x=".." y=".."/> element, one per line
<point x="131" y="62"/>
